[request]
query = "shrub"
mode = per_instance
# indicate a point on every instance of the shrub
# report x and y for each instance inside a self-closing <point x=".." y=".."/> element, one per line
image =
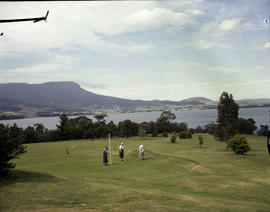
<point x="154" y="134"/>
<point x="239" y="144"/>
<point x="185" y="134"/>
<point x="189" y="134"/>
<point x="192" y="130"/>
<point x="200" y="140"/>
<point x="165" y="134"/>
<point x="199" y="129"/>
<point x="173" y="138"/>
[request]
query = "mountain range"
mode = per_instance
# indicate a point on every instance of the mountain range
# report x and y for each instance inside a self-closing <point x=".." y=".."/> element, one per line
<point x="69" y="96"/>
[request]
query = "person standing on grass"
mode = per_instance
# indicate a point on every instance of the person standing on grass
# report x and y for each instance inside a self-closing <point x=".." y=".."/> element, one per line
<point x="141" y="152"/>
<point x="105" y="157"/>
<point x="121" y="151"/>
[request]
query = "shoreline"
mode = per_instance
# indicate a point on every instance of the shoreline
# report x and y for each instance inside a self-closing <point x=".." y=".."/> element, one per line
<point x="109" y="112"/>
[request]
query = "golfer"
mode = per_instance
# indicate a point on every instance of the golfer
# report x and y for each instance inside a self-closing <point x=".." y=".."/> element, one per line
<point x="121" y="152"/>
<point x="105" y="157"/>
<point x="141" y="152"/>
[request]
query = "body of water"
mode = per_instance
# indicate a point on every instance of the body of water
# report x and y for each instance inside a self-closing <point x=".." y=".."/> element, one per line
<point x="192" y="117"/>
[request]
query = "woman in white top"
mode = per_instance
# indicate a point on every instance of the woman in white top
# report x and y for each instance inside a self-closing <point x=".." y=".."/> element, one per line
<point x="141" y="152"/>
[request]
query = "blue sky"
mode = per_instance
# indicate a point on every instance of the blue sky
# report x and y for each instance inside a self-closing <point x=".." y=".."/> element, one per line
<point x="167" y="50"/>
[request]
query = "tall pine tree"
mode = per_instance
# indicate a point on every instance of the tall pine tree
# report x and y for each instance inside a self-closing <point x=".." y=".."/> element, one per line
<point x="63" y="129"/>
<point x="227" y="121"/>
<point x="11" y="147"/>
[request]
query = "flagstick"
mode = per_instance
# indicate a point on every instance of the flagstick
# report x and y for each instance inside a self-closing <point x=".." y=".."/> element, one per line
<point x="110" y="149"/>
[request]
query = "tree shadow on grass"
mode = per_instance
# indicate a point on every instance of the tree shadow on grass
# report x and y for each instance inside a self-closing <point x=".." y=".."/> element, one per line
<point x="19" y="176"/>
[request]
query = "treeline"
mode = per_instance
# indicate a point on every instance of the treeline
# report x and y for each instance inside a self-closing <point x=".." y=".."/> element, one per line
<point x="85" y="128"/>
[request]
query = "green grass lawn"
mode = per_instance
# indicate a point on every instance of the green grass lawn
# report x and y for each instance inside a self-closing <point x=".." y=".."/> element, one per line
<point x="174" y="177"/>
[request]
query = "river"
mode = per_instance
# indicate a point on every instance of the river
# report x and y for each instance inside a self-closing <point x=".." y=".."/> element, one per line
<point x="192" y="117"/>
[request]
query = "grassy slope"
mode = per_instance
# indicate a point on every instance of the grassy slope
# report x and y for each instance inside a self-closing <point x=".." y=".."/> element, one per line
<point x="174" y="177"/>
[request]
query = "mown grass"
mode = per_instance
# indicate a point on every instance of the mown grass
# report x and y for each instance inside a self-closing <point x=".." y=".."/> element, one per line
<point x="174" y="177"/>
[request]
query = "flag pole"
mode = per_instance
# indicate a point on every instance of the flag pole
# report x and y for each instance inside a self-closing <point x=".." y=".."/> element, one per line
<point x="110" y="148"/>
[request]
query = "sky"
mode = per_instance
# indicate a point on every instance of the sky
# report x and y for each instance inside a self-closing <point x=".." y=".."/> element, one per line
<point x="166" y="50"/>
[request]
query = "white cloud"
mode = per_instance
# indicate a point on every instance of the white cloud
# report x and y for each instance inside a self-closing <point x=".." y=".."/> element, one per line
<point x="133" y="47"/>
<point x="82" y="25"/>
<point x="60" y="68"/>
<point x="218" y="29"/>
<point x="151" y="91"/>
<point x="90" y="85"/>
<point x="205" y="67"/>
<point x="184" y="3"/>
<point x="70" y="26"/>
<point x="175" y="74"/>
<point x="145" y="19"/>
<point x="224" y="69"/>
<point x="226" y="27"/>
<point x="145" y="34"/>
<point x="264" y="46"/>
<point x="201" y="45"/>
<point x="249" y="84"/>
<point x="229" y="24"/>
<point x="195" y="12"/>
<point x="259" y="68"/>
<point x="59" y="62"/>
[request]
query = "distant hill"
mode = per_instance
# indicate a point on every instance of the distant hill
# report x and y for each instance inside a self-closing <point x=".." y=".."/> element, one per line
<point x="198" y="101"/>
<point x="68" y="95"/>
<point x="261" y="101"/>
<point x="51" y="98"/>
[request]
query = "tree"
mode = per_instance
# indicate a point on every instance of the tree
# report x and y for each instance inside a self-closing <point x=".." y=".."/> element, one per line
<point x="148" y="126"/>
<point x="40" y="132"/>
<point x="142" y="132"/>
<point x="128" y="128"/>
<point x="227" y="121"/>
<point x="199" y="129"/>
<point x="163" y="122"/>
<point x="210" y="128"/>
<point x="11" y="139"/>
<point x="183" y="126"/>
<point x="29" y="135"/>
<point x="80" y="127"/>
<point x="85" y="126"/>
<point x="100" y="117"/>
<point x="100" y="130"/>
<point x="263" y="131"/>
<point x="63" y="129"/>
<point x="239" y="145"/>
<point x="246" y="126"/>
<point x="168" y="114"/>
<point x="112" y="129"/>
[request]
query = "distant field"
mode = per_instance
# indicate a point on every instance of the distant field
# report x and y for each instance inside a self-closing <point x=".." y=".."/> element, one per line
<point x="174" y="177"/>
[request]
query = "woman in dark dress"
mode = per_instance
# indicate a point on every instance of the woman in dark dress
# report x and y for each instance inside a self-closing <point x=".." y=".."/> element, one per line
<point x="105" y="157"/>
<point x="121" y="151"/>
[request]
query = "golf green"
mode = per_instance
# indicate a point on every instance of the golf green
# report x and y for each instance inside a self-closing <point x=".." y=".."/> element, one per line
<point x="173" y="177"/>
